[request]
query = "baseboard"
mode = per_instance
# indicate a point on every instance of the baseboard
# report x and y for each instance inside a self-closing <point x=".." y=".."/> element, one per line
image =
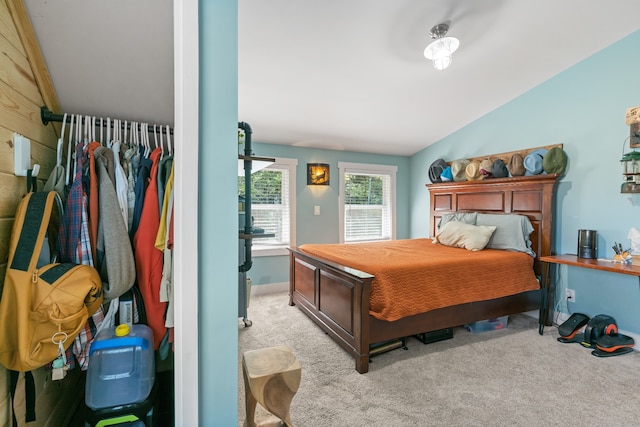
<point x="271" y="288"/>
<point x="562" y="317"/>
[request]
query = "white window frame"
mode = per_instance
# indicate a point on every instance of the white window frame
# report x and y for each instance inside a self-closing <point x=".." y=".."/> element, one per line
<point x="260" y="250"/>
<point x="366" y="168"/>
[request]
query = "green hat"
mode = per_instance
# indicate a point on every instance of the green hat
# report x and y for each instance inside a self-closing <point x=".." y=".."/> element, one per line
<point x="555" y="161"/>
<point x="458" y="168"/>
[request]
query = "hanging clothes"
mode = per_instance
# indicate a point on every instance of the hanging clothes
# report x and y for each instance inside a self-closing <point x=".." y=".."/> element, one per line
<point x="74" y="246"/>
<point x="121" y="185"/>
<point x="73" y="237"/>
<point x="149" y="260"/>
<point x="164" y="243"/>
<point x="116" y="262"/>
<point x="131" y="182"/>
<point x="164" y="170"/>
<point x="93" y="198"/>
<point x="141" y="187"/>
<point x="114" y="194"/>
<point x="56" y="181"/>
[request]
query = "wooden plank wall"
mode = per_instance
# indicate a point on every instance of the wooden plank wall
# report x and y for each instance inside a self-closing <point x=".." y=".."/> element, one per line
<point x="25" y="86"/>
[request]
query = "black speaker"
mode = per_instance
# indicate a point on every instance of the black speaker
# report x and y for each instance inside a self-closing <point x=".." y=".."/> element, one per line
<point x="587" y="244"/>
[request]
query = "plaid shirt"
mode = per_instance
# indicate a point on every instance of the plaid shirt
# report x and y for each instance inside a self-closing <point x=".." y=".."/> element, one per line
<point x="73" y="239"/>
<point x="82" y="342"/>
<point x="75" y="246"/>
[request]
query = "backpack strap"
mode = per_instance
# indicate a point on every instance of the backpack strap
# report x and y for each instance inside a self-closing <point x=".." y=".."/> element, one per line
<point x="37" y="211"/>
<point x="32" y="181"/>
<point x="29" y="395"/>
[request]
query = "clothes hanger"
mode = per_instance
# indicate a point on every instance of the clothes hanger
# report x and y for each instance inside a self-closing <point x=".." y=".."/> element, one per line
<point x="169" y="141"/>
<point x="134" y="133"/>
<point x="161" y="143"/>
<point x="80" y="130"/>
<point x="145" y="137"/>
<point x="109" y="141"/>
<point x="125" y="134"/>
<point x="61" y="142"/>
<point x="102" y="140"/>
<point x="71" y="147"/>
<point x="155" y="136"/>
<point x="112" y="137"/>
<point x="86" y="130"/>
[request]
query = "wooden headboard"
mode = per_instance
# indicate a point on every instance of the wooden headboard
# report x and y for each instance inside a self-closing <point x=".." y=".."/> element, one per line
<point x="533" y="196"/>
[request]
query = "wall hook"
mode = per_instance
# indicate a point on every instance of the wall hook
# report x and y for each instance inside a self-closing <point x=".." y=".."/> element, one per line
<point x="22" y="157"/>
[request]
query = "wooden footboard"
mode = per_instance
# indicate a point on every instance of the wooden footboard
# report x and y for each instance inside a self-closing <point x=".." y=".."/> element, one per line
<point x="336" y="298"/>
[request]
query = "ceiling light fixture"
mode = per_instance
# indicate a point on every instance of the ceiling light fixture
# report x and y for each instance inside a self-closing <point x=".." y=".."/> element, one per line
<point x="441" y="50"/>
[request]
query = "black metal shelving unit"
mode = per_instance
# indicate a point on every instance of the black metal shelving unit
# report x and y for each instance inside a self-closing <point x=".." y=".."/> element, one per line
<point x="246" y="233"/>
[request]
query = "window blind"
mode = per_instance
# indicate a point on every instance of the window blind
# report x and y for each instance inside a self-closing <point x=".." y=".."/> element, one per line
<point x="270" y="206"/>
<point x="367" y="207"/>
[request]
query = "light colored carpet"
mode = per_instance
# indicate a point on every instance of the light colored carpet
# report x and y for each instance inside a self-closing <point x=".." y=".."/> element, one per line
<point x="510" y="377"/>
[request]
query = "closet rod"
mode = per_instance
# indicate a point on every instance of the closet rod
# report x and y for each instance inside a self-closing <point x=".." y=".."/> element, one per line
<point x="48" y="116"/>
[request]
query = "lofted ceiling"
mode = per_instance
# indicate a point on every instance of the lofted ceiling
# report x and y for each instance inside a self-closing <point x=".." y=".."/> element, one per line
<point x="346" y="75"/>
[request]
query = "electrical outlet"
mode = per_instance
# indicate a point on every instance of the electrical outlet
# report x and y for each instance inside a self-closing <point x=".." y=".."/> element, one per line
<point x="570" y="295"/>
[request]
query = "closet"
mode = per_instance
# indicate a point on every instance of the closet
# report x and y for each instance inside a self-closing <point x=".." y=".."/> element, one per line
<point x="115" y="179"/>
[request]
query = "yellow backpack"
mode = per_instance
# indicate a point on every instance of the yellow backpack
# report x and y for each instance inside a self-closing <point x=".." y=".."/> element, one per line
<point x="42" y="305"/>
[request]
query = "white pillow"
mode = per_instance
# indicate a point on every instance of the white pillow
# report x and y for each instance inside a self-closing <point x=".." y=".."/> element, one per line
<point x="461" y="235"/>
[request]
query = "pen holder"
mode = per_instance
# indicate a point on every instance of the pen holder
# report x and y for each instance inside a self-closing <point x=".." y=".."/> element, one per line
<point x="623" y="258"/>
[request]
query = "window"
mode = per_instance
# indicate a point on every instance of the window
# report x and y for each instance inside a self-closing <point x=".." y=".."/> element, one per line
<point x="273" y="206"/>
<point x="367" y="202"/>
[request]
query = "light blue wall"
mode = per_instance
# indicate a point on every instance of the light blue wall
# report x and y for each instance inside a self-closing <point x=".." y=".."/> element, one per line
<point x="584" y="109"/>
<point x="323" y="228"/>
<point x="218" y="215"/>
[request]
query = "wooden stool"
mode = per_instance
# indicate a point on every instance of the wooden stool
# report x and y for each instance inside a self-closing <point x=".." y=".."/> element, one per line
<point x="271" y="378"/>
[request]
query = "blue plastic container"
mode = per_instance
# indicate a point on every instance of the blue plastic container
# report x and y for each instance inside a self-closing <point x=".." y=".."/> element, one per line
<point x="487" y="325"/>
<point x="121" y="367"/>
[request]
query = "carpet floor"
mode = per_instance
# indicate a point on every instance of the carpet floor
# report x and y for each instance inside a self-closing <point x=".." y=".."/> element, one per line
<point x="508" y="377"/>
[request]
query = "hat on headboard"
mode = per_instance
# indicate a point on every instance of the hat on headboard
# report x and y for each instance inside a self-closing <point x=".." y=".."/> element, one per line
<point x="533" y="162"/>
<point x="435" y="170"/>
<point x="499" y="169"/>
<point x="472" y="171"/>
<point x="458" y="168"/>
<point x="516" y="165"/>
<point x="485" y="168"/>
<point x="446" y="175"/>
<point x="555" y="161"/>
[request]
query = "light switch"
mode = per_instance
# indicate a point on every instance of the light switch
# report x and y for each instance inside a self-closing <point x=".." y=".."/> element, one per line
<point x="316" y="210"/>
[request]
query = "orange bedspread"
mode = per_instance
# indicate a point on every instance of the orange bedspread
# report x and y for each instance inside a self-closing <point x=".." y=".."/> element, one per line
<point x="415" y="275"/>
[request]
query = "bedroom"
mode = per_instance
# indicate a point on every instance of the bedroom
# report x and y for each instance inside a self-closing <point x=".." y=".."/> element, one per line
<point x="560" y="110"/>
<point x="573" y="108"/>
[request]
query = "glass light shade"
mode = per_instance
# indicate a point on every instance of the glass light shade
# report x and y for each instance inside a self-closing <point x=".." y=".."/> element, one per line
<point x="441" y="51"/>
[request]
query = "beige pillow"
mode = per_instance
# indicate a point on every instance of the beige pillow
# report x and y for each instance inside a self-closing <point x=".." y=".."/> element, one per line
<point x="461" y="235"/>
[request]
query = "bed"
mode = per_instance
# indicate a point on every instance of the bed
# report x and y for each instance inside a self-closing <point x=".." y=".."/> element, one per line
<point x="337" y="295"/>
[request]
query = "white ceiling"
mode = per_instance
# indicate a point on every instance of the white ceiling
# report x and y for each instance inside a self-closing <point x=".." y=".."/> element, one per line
<point x="337" y="74"/>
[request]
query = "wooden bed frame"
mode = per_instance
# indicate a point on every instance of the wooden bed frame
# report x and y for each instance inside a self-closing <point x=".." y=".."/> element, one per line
<point x="336" y="297"/>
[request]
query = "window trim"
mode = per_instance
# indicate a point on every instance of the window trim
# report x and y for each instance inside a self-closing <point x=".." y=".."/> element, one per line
<point x="279" y="250"/>
<point x="366" y="168"/>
